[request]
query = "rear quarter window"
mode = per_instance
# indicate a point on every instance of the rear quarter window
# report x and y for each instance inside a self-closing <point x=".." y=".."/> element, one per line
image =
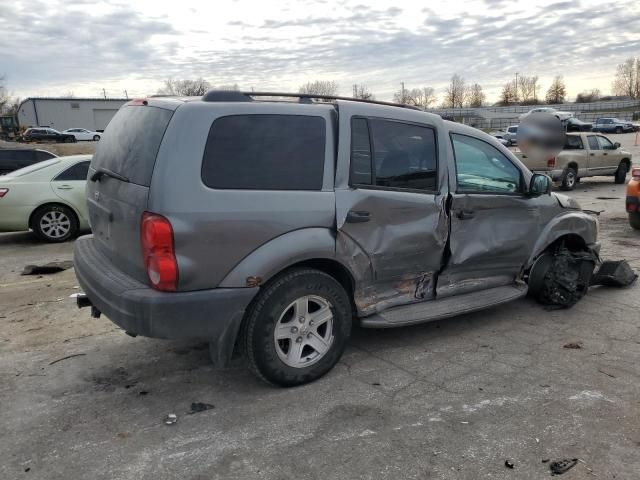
<point x="131" y="141"/>
<point x="265" y="152"/>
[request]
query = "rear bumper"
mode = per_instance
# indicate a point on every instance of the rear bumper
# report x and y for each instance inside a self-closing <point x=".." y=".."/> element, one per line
<point x="213" y="314"/>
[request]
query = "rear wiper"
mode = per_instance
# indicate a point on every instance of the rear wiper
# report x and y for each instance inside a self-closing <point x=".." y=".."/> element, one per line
<point x="101" y="171"/>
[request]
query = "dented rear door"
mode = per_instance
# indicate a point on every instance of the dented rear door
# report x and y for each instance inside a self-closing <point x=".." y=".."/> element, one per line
<point x="390" y="205"/>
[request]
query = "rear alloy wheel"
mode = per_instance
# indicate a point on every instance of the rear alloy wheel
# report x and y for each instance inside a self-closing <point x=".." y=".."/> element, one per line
<point x="569" y="179"/>
<point x="297" y="328"/>
<point x="634" y="220"/>
<point x="621" y="173"/>
<point x="55" y="223"/>
<point x="618" y="129"/>
<point x="96" y="138"/>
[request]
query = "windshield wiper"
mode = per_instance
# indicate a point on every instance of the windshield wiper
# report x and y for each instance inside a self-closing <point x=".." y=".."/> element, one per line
<point x="101" y="171"/>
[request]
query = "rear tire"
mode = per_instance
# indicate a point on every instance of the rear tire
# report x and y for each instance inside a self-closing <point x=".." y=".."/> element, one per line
<point x="54" y="223"/>
<point x="634" y="220"/>
<point x="96" y="138"/>
<point x="297" y="328"/>
<point x="621" y="173"/>
<point x="569" y="179"/>
<point x="618" y="130"/>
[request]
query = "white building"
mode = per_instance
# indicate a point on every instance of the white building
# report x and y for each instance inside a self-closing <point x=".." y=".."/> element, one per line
<point x="63" y="113"/>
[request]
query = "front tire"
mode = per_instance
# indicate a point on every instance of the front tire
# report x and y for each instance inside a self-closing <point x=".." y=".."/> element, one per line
<point x="297" y="328"/>
<point x="54" y="223"/>
<point x="621" y="173"/>
<point x="96" y="138"/>
<point x="569" y="179"/>
<point x="618" y="130"/>
<point x="634" y="220"/>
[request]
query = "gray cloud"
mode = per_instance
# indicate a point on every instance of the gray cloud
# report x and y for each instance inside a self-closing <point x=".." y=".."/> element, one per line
<point x="366" y="45"/>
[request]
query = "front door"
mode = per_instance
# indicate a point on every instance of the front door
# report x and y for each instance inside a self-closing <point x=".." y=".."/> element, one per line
<point x="70" y="186"/>
<point x="610" y="156"/>
<point x="493" y="225"/>
<point x="390" y="216"/>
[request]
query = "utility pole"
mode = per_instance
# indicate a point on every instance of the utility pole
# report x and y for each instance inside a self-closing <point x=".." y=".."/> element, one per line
<point x="126" y="95"/>
<point x="516" y="87"/>
<point x="402" y="97"/>
<point x="355" y="90"/>
<point x="104" y="92"/>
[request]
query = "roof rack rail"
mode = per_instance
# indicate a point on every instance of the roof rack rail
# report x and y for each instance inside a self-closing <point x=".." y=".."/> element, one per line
<point x="237" y="96"/>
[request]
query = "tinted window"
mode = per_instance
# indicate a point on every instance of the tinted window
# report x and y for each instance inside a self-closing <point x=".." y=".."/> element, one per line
<point x="23" y="155"/>
<point x="265" y="152"/>
<point x="404" y="155"/>
<point x="360" y="152"/>
<point x="44" y="155"/>
<point x="79" y="171"/>
<point x="593" y="142"/>
<point x="573" y="142"/>
<point x="482" y="168"/>
<point x="131" y="141"/>
<point x="605" y="144"/>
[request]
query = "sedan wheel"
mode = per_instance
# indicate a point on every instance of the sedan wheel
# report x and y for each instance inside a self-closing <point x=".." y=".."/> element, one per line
<point x="96" y="138"/>
<point x="55" y="223"/>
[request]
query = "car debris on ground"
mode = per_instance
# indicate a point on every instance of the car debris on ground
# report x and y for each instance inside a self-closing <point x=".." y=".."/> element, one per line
<point x="170" y="419"/>
<point x="51" y="267"/>
<point x="559" y="467"/>
<point x="197" y="407"/>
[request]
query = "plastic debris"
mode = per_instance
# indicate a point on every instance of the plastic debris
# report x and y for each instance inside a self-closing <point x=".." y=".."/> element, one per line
<point x="616" y="273"/>
<point x="562" y="466"/>
<point x="52" y="267"/>
<point x="170" y="419"/>
<point x="573" y="345"/>
<point x="200" y="407"/>
<point x="508" y="464"/>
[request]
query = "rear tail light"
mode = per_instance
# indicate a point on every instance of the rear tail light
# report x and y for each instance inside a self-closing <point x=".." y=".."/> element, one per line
<point x="635" y="174"/>
<point x="551" y="163"/>
<point x="158" y="252"/>
<point x="3" y="192"/>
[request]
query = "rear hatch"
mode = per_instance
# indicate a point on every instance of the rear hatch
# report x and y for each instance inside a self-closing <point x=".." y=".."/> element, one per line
<point x="119" y="179"/>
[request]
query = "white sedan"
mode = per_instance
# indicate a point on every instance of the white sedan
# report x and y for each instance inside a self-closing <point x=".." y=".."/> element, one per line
<point x="47" y="197"/>
<point x="83" y="134"/>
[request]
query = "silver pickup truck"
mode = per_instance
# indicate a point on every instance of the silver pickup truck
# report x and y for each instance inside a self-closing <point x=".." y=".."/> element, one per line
<point x="584" y="155"/>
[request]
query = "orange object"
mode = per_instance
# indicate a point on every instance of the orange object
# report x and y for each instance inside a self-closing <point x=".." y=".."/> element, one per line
<point x="632" y="202"/>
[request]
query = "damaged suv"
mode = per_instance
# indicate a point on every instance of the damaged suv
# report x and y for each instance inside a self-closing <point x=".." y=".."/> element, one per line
<point x="271" y="225"/>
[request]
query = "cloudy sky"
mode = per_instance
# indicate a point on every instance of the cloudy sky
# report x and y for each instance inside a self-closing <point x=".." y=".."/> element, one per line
<point x="82" y="46"/>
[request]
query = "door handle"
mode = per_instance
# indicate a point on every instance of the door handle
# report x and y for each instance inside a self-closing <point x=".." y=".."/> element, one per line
<point x="65" y="187"/>
<point x="465" y="214"/>
<point x="355" y="216"/>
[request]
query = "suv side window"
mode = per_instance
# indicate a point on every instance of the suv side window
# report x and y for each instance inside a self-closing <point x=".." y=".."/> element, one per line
<point x="482" y="168"/>
<point x="573" y="142"/>
<point x="605" y="144"/>
<point x="404" y="155"/>
<point x="593" y="142"/>
<point x="265" y="152"/>
<point x="79" y="171"/>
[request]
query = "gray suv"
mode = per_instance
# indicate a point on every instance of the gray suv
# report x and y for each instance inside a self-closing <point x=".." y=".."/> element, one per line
<point x="272" y="225"/>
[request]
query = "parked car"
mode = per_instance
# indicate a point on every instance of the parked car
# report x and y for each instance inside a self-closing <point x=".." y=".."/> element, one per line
<point x="47" y="135"/>
<point x="14" y="158"/>
<point x="612" y="125"/>
<point x="83" y="134"/>
<point x="283" y="222"/>
<point x="562" y="116"/>
<point x="500" y="137"/>
<point x="46" y="197"/>
<point x="511" y="135"/>
<point x="633" y="198"/>
<point x="584" y="155"/>
<point x="576" y="125"/>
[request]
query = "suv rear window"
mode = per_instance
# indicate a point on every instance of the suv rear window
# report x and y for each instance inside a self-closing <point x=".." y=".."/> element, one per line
<point x="265" y="152"/>
<point x="131" y="141"/>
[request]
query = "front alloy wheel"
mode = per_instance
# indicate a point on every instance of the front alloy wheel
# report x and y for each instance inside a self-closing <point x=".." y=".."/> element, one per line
<point x="55" y="223"/>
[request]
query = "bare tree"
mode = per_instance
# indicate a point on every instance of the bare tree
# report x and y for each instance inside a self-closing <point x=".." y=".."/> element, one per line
<point x="185" y="88"/>
<point x="588" y="96"/>
<point x="4" y="95"/>
<point x="362" y="92"/>
<point x="402" y="95"/>
<point x="320" y="87"/>
<point x="456" y="92"/>
<point x="508" y="94"/>
<point x="627" y="79"/>
<point x="557" y="91"/>
<point x="422" y="97"/>
<point x="528" y="89"/>
<point x="476" y="95"/>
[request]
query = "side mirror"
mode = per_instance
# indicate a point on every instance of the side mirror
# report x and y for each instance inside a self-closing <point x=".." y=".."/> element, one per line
<point x="616" y="145"/>
<point x="539" y="185"/>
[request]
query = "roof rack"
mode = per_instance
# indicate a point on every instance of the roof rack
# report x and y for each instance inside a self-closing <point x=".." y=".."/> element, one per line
<point x="237" y="96"/>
